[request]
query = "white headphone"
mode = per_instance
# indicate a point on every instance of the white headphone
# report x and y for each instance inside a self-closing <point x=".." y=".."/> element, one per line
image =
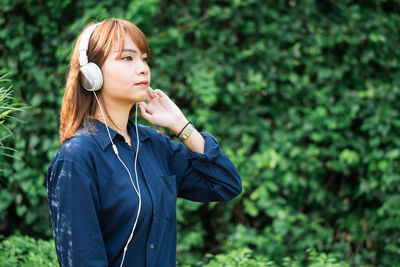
<point x="90" y="74"/>
<point x="91" y="79"/>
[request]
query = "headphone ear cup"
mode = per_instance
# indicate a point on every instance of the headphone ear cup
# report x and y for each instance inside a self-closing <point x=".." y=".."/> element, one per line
<point x="90" y="77"/>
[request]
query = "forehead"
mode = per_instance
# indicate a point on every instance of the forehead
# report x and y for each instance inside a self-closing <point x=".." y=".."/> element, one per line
<point x="125" y="44"/>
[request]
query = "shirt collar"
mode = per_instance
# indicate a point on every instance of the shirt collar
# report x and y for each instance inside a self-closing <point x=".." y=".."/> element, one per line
<point x="98" y="130"/>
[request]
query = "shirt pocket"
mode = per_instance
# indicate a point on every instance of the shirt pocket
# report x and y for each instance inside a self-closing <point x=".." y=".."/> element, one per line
<point x="169" y="195"/>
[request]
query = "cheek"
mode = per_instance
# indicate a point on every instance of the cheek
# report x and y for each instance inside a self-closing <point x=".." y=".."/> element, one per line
<point x="113" y="76"/>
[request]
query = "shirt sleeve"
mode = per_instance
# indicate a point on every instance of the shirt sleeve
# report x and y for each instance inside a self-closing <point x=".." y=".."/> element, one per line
<point x="74" y="211"/>
<point x="204" y="177"/>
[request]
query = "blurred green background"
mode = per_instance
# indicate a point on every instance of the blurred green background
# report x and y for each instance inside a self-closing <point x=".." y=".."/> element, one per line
<point x="302" y="96"/>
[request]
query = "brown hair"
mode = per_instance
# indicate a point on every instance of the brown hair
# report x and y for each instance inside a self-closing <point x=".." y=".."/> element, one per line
<point x="79" y="105"/>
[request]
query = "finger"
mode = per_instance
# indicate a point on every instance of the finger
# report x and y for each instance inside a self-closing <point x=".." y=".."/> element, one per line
<point x="147" y="108"/>
<point x="148" y="96"/>
<point x="151" y="92"/>
<point x="163" y="97"/>
<point x="159" y="93"/>
<point x="142" y="104"/>
<point x="142" y="107"/>
<point x="144" y="113"/>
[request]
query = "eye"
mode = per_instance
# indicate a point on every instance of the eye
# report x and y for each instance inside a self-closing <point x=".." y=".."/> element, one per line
<point x="128" y="58"/>
<point x="145" y="59"/>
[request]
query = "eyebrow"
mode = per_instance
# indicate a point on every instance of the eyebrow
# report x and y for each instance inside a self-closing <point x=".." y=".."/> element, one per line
<point x="127" y="50"/>
<point x="130" y="50"/>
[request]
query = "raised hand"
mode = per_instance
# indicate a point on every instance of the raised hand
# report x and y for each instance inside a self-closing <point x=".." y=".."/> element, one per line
<point x="160" y="110"/>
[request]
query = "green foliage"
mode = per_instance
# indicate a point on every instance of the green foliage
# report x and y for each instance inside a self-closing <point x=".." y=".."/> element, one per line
<point x="240" y="257"/>
<point x="25" y="251"/>
<point x="302" y="96"/>
<point x="7" y="107"/>
<point x="245" y="257"/>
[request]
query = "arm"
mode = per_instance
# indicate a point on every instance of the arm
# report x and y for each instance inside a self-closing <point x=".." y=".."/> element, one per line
<point x="203" y="177"/>
<point x="203" y="172"/>
<point x="74" y="211"/>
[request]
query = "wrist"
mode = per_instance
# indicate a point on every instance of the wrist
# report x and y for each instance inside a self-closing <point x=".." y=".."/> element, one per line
<point x="178" y="125"/>
<point x="185" y="132"/>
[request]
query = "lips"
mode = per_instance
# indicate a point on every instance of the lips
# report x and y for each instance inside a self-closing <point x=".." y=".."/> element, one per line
<point x="143" y="83"/>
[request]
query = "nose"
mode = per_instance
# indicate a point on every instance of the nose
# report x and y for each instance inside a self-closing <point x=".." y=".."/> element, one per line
<point x="143" y="68"/>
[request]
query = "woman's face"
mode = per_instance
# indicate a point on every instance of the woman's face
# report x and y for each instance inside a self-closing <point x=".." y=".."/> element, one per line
<point x="126" y="79"/>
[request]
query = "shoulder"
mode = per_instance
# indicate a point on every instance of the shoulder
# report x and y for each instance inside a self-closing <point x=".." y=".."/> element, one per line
<point x="75" y="161"/>
<point x="78" y="149"/>
<point x="80" y="145"/>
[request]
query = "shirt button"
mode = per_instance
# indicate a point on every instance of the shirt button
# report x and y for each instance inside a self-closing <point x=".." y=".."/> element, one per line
<point x="151" y="246"/>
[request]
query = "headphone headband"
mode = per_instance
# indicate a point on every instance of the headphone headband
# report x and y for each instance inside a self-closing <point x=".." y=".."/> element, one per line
<point x="84" y="44"/>
<point x="90" y="76"/>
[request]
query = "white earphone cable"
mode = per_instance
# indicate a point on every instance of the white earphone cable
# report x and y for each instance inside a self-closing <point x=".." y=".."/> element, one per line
<point x="115" y="148"/>
<point x="140" y="198"/>
<point x="137" y="189"/>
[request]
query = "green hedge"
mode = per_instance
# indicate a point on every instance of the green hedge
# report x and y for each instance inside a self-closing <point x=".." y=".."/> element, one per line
<point x="8" y="108"/>
<point x="302" y="95"/>
<point x="30" y="252"/>
<point x="24" y="251"/>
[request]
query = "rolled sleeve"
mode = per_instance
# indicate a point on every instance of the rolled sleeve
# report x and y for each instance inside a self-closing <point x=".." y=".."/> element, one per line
<point x="211" y="149"/>
<point x="204" y="177"/>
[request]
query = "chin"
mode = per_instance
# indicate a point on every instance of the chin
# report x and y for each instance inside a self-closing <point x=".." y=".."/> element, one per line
<point x="140" y="97"/>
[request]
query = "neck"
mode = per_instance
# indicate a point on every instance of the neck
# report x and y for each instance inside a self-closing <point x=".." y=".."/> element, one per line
<point x="116" y="116"/>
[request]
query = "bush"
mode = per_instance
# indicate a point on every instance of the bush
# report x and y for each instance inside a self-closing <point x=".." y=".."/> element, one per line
<point x="7" y="107"/>
<point x="239" y="257"/>
<point x="26" y="251"/>
<point x="244" y="257"/>
<point x="302" y="96"/>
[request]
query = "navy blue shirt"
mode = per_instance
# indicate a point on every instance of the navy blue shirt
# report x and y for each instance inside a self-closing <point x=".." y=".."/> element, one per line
<point x="93" y="205"/>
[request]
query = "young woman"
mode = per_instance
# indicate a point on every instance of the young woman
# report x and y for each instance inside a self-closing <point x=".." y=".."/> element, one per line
<point x="112" y="186"/>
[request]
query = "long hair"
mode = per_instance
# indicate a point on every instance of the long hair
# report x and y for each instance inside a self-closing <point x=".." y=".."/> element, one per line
<point x="79" y="105"/>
